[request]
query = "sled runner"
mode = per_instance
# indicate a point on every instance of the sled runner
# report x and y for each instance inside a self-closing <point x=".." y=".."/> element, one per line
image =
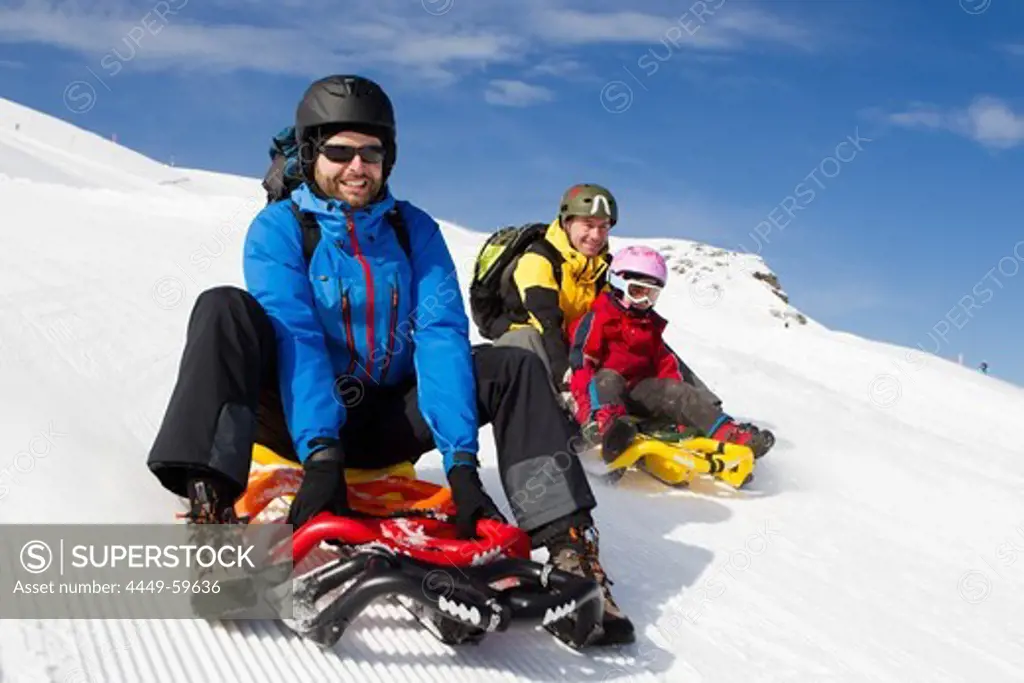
<point x="400" y="544"/>
<point x="460" y="590"/>
<point x="677" y="458"/>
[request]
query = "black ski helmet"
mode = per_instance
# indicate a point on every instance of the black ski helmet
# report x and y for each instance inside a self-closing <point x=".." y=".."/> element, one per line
<point x="345" y="102"/>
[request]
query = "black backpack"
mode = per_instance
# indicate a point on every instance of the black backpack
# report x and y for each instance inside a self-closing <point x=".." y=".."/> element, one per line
<point x="494" y="267"/>
<point x="284" y="175"/>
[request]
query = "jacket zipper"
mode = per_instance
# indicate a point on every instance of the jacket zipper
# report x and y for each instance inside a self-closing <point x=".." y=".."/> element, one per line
<point x="368" y="277"/>
<point x="392" y="324"/>
<point x="346" y="316"/>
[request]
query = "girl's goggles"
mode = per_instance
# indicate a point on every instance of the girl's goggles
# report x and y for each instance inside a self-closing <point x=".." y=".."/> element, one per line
<point x="636" y="291"/>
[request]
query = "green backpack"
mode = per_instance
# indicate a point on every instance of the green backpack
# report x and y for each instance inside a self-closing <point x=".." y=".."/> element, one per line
<point x="493" y="270"/>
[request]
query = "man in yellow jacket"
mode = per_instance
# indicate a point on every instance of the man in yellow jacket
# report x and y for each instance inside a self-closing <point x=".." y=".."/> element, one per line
<point x="557" y="279"/>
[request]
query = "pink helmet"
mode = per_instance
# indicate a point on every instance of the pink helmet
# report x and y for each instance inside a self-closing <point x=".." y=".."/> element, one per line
<point x="640" y="261"/>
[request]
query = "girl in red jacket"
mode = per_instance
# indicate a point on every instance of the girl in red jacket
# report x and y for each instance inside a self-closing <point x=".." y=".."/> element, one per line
<point x="621" y="365"/>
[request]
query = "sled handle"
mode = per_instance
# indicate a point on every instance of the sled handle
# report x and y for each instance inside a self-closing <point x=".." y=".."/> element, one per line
<point x="328" y="527"/>
<point x="429" y="540"/>
<point x="433" y="541"/>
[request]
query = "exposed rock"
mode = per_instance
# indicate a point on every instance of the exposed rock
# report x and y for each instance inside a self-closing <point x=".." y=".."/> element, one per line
<point x="770" y="278"/>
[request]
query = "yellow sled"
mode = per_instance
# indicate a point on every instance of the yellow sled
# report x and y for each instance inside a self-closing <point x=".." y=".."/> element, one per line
<point x="678" y="463"/>
<point x="264" y="457"/>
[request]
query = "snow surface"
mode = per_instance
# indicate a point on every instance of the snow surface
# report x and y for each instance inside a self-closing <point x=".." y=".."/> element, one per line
<point x="879" y="541"/>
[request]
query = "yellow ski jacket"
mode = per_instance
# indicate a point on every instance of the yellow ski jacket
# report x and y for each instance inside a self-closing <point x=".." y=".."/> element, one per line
<point x="536" y="297"/>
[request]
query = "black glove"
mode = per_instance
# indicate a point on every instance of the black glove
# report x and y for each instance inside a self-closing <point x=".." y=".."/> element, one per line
<point x="323" y="487"/>
<point x="471" y="502"/>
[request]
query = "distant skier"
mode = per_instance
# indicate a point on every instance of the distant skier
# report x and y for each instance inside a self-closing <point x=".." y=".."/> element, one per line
<point x="983" y="367"/>
<point x="622" y="366"/>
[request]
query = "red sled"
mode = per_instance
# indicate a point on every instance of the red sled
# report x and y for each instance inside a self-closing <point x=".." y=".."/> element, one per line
<point x="401" y="544"/>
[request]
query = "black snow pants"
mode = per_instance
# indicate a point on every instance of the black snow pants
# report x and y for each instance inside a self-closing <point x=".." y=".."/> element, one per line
<point x="226" y="399"/>
<point x="660" y="399"/>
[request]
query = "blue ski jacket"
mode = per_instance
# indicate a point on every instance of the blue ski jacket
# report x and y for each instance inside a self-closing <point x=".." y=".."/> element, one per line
<point x="363" y="314"/>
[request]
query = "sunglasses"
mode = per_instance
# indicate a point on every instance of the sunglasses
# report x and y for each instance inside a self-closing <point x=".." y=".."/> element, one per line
<point x="342" y="154"/>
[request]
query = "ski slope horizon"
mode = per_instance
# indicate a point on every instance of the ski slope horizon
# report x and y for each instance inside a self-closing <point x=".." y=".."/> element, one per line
<point x="878" y="541"/>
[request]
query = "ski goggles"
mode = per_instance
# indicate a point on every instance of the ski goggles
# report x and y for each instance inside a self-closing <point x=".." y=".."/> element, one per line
<point x="636" y="291"/>
<point x="342" y="154"/>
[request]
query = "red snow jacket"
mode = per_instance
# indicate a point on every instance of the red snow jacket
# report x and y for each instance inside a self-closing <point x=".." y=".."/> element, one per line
<point x="629" y="342"/>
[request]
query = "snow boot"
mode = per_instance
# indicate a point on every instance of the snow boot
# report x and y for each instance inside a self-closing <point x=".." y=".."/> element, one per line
<point x="760" y="441"/>
<point x="617" y="431"/>
<point x="209" y="503"/>
<point x="576" y="552"/>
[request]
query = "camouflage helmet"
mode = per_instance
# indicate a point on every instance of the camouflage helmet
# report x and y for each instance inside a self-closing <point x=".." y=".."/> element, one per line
<point x="588" y="199"/>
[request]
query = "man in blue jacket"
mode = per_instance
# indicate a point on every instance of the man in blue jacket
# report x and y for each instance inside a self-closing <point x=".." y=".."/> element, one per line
<point x="354" y="352"/>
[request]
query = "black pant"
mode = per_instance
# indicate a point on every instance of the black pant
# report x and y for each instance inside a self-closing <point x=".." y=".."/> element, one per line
<point x="661" y="399"/>
<point x="226" y="398"/>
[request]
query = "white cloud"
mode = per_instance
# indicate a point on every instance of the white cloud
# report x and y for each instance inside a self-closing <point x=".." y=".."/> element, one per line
<point x="412" y="45"/>
<point x="988" y="121"/>
<point x="922" y="118"/>
<point x="560" y="67"/>
<point x="757" y="25"/>
<point x="995" y="124"/>
<point x="303" y="37"/>
<point x="511" y="93"/>
<point x="10" y="64"/>
<point x="723" y="28"/>
<point x="1014" y="49"/>
<point x="575" y="26"/>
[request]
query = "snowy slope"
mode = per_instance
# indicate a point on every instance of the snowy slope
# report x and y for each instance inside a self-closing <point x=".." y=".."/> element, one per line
<point x="879" y="541"/>
<point x="46" y="149"/>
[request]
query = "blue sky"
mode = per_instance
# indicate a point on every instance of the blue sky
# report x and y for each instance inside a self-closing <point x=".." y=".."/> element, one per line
<point x="713" y="120"/>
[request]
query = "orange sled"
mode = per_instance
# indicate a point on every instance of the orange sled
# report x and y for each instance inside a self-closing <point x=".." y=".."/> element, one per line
<point x="385" y="492"/>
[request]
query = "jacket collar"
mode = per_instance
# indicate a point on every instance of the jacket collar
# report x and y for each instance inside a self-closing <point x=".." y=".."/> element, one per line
<point x="610" y="302"/>
<point x="307" y="200"/>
